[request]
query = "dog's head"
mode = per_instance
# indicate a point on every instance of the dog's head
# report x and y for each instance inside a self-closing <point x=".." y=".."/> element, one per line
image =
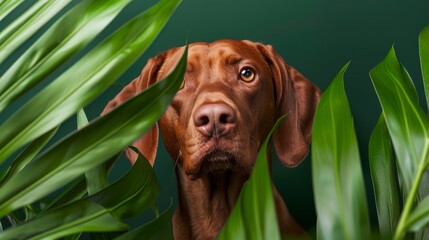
<point x="232" y="94"/>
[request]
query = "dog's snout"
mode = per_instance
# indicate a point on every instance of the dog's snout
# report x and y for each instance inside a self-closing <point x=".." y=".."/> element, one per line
<point x="214" y="119"/>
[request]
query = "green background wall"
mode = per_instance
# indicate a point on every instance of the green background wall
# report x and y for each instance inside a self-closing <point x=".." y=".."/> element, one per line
<point x="317" y="38"/>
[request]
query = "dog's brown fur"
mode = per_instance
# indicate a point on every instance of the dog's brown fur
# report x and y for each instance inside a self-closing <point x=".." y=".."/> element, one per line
<point x="216" y="123"/>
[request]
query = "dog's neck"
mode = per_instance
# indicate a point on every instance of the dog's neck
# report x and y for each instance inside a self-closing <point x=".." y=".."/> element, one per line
<point x="205" y="203"/>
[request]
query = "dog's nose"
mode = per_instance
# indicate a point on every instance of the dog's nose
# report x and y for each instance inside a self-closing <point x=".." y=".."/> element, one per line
<point x="214" y="119"/>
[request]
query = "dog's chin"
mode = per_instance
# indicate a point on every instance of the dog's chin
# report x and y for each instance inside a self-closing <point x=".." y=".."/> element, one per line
<point x="216" y="162"/>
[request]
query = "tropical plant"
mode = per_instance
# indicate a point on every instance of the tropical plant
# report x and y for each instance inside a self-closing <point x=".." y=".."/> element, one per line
<point x="337" y="177"/>
<point x="398" y="155"/>
<point x="254" y="215"/>
<point x="61" y="190"/>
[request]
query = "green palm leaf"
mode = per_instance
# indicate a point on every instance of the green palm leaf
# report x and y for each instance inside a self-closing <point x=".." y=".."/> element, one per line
<point x="337" y="175"/>
<point x="7" y="6"/>
<point x="27" y="24"/>
<point x="159" y="228"/>
<point x="84" y="80"/>
<point x="408" y="128"/>
<point x="60" y="42"/>
<point x="383" y="174"/>
<point x="92" y="145"/>
<point x="424" y="59"/>
<point x="96" y="178"/>
<point x="254" y="215"/>
<point x="136" y="191"/>
<point x="28" y="154"/>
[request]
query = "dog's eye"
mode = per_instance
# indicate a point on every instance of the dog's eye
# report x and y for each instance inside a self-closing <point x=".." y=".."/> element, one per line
<point x="247" y="74"/>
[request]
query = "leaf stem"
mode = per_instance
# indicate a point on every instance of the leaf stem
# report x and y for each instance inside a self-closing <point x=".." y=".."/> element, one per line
<point x="402" y="228"/>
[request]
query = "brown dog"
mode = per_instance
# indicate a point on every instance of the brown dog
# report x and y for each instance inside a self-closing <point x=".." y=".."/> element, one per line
<point x="233" y="93"/>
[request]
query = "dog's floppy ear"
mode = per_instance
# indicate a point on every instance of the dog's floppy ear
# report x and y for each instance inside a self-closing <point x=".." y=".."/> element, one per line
<point x="297" y="98"/>
<point x="148" y="143"/>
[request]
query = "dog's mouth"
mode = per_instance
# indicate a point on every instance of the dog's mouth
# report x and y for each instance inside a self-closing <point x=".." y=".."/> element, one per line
<point x="217" y="162"/>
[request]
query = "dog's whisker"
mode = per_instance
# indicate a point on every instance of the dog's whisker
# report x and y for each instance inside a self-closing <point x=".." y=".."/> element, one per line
<point x="177" y="159"/>
<point x="253" y="140"/>
<point x="175" y="165"/>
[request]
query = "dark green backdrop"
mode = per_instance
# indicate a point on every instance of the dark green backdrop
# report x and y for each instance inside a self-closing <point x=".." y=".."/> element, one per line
<point x="317" y="38"/>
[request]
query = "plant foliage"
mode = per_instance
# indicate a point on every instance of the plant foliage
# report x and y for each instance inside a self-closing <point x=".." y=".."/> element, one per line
<point x="60" y="190"/>
<point x="408" y="128"/>
<point x="398" y="154"/>
<point x="382" y="165"/>
<point x="337" y="176"/>
<point x="254" y="215"/>
<point x="63" y="190"/>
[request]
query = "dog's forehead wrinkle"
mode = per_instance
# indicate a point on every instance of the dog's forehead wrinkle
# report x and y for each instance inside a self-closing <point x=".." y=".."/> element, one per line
<point x="215" y="52"/>
<point x="233" y="59"/>
<point x="204" y="56"/>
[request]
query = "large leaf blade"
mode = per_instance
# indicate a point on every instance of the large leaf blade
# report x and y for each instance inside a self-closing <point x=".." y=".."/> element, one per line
<point x="383" y="174"/>
<point x="92" y="145"/>
<point x="133" y="193"/>
<point x="59" y="43"/>
<point x="337" y="175"/>
<point x="406" y="120"/>
<point x="84" y="80"/>
<point x="424" y="62"/>
<point x="128" y="197"/>
<point x="96" y="178"/>
<point x="254" y="215"/>
<point x="73" y="192"/>
<point x="424" y="59"/>
<point x="7" y="6"/>
<point x="28" y="154"/>
<point x="159" y="228"/>
<point x="76" y="190"/>
<point x="77" y="217"/>
<point x="27" y="24"/>
<point x="408" y="128"/>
